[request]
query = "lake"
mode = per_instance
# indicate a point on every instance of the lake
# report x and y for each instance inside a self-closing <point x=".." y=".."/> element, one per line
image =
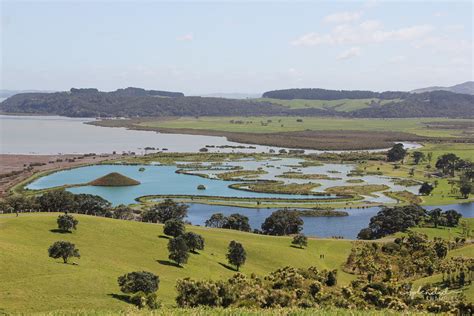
<point x="51" y="135"/>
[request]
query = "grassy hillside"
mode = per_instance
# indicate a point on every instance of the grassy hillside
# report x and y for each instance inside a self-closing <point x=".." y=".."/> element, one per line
<point x="341" y="105"/>
<point x="289" y="124"/>
<point x="32" y="282"/>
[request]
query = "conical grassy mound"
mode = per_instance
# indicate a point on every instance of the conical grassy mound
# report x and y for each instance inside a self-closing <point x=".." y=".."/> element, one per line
<point x="114" y="179"/>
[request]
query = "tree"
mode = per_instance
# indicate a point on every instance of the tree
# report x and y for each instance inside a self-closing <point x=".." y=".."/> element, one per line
<point x="465" y="188"/>
<point x="142" y="286"/>
<point x="56" y="201"/>
<point x="178" y="250"/>
<point x="331" y="278"/>
<point x="425" y="188"/>
<point x="236" y="254"/>
<point x="64" y="250"/>
<point x="174" y="227"/>
<point x="123" y="212"/>
<point x="194" y="241"/>
<point x="282" y="222"/>
<point x="67" y="222"/>
<point x="391" y="220"/>
<point x="396" y="153"/>
<point x="435" y="216"/>
<point x="447" y="163"/>
<point x="418" y="156"/>
<point x="216" y="220"/>
<point x="452" y="218"/>
<point x="238" y="222"/>
<point x="140" y="281"/>
<point x="166" y="210"/>
<point x="300" y="240"/>
<point x="91" y="204"/>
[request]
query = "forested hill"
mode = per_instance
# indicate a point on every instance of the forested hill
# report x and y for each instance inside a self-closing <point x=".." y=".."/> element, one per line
<point x="377" y="104"/>
<point x="132" y="102"/>
<point x="135" y="102"/>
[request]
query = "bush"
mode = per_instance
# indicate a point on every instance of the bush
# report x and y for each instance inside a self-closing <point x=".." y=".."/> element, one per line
<point x="300" y="240"/>
<point x="67" y="222"/>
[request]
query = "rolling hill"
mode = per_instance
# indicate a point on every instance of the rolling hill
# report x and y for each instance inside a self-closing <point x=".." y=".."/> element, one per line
<point x="464" y="88"/>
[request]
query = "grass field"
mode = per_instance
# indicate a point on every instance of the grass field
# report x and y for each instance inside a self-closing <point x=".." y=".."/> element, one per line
<point x="30" y="281"/>
<point x="286" y="124"/>
<point x="343" y="105"/>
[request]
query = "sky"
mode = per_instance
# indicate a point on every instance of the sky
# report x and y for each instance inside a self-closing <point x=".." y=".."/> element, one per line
<point x="235" y="46"/>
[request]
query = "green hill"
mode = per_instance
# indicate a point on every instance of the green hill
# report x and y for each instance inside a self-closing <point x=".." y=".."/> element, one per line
<point x="114" y="179"/>
<point x="33" y="282"/>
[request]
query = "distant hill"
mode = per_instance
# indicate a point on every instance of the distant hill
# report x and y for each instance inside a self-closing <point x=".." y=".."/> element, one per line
<point x="235" y="95"/>
<point x="136" y="102"/>
<point x="8" y="93"/>
<point x="465" y="88"/>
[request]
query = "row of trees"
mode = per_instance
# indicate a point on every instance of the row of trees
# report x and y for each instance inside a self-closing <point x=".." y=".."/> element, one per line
<point x="391" y="220"/>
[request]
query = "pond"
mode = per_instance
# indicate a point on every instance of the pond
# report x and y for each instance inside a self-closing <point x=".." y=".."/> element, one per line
<point x="51" y="135"/>
<point x="347" y="227"/>
<point x="163" y="180"/>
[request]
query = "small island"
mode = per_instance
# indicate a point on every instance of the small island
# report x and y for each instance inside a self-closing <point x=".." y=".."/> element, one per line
<point x="201" y="187"/>
<point x="114" y="179"/>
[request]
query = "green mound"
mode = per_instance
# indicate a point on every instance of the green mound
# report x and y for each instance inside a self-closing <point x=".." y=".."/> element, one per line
<point x="114" y="179"/>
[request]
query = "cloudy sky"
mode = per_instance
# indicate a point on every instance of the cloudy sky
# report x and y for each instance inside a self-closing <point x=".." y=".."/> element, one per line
<point x="240" y="46"/>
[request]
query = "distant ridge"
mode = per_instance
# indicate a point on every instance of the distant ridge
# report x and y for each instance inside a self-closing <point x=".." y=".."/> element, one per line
<point x="114" y="179"/>
<point x="465" y="88"/>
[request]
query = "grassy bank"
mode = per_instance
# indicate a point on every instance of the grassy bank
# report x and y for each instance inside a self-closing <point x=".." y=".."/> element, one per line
<point x="32" y="282"/>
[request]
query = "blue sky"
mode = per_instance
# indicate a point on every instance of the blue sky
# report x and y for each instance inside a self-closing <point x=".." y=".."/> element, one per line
<point x="242" y="46"/>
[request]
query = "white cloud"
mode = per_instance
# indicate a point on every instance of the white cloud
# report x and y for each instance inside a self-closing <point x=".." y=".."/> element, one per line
<point x="343" y="17"/>
<point x="367" y="32"/>
<point x="350" y="53"/>
<point x="185" y="38"/>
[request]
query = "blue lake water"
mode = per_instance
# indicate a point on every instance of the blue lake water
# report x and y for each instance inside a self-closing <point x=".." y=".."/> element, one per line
<point x="348" y="226"/>
<point x="154" y="180"/>
<point x="164" y="180"/>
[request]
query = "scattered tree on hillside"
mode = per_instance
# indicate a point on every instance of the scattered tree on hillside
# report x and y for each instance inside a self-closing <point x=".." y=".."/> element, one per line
<point x="396" y="153"/>
<point x="142" y="286"/>
<point x="216" y="220"/>
<point x="164" y="211"/>
<point x="282" y="222"/>
<point x="426" y="188"/>
<point x="178" y="250"/>
<point x="435" y="216"/>
<point x="237" y="222"/>
<point x="174" y="227"/>
<point x="194" y="241"/>
<point x="465" y="188"/>
<point x="123" y="212"/>
<point x="447" y="163"/>
<point x="300" y="240"/>
<point x="236" y="254"/>
<point x="67" y="222"/>
<point x="418" y="157"/>
<point x="64" y="250"/>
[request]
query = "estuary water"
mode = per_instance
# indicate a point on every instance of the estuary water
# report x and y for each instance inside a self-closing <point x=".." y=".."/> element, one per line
<point x="52" y="135"/>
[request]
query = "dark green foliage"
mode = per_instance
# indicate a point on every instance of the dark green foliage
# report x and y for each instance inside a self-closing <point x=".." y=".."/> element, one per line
<point x="164" y="211"/>
<point x="300" y="240"/>
<point x="123" y="212"/>
<point x="18" y="203"/>
<point x="64" y="250"/>
<point x="140" y="281"/>
<point x="194" y="241"/>
<point x="178" y="250"/>
<point x="282" y="222"/>
<point x="91" y="205"/>
<point x="391" y="220"/>
<point x="418" y="156"/>
<point x="447" y="163"/>
<point x="142" y="286"/>
<point x="174" y="227"/>
<point x="396" y="153"/>
<point x="435" y="216"/>
<point x="56" y="201"/>
<point x="426" y="188"/>
<point x="67" y="222"/>
<point x="465" y="187"/>
<point x="236" y="254"/>
<point x="216" y="220"/>
<point x="331" y="278"/>
<point x="451" y="218"/>
<point x="237" y="222"/>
